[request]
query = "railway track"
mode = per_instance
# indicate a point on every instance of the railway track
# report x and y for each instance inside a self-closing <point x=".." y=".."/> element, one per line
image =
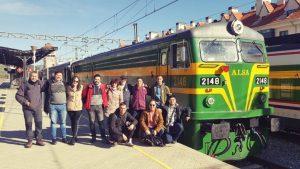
<point x="290" y="136"/>
<point x="256" y="163"/>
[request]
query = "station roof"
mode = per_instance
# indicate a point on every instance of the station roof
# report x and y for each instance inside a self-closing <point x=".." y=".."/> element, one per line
<point x="12" y="57"/>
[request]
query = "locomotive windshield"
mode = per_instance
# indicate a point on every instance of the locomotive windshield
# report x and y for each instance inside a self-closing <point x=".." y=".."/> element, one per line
<point x="218" y="51"/>
<point x="252" y="52"/>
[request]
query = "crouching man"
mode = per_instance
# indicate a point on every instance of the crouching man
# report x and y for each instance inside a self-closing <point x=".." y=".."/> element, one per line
<point x="122" y="125"/>
<point x="174" y="116"/>
<point x="151" y="121"/>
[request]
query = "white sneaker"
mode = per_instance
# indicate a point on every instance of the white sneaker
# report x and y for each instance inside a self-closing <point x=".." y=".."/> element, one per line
<point x="129" y="143"/>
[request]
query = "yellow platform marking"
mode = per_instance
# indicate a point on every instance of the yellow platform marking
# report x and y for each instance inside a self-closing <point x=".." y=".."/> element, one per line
<point x="164" y="165"/>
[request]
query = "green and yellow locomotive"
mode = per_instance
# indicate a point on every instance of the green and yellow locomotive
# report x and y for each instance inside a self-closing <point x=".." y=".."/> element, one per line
<point x="220" y="70"/>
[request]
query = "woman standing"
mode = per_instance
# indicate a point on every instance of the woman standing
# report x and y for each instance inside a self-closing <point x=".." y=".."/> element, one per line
<point x="74" y="106"/>
<point x="115" y="97"/>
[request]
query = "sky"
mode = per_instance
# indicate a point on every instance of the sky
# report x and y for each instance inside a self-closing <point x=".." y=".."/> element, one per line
<point x="75" y="17"/>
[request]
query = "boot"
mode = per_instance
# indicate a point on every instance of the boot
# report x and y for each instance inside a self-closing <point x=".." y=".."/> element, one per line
<point x="40" y="142"/>
<point x="72" y="141"/>
<point x="28" y="144"/>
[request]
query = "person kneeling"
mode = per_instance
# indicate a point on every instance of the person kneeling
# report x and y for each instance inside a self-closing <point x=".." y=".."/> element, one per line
<point x="122" y="125"/>
<point x="152" y="123"/>
<point x="174" y="115"/>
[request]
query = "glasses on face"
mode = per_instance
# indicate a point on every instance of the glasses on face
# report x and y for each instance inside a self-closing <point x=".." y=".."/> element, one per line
<point x="75" y="81"/>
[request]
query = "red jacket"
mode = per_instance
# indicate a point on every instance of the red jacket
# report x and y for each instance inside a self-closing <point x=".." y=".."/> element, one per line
<point x="88" y="92"/>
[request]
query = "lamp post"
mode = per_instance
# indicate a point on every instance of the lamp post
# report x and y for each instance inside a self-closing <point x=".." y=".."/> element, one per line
<point x="33" y="49"/>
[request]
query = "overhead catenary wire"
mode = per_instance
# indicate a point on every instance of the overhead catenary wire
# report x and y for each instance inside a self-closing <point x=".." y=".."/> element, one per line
<point x="155" y="10"/>
<point x="129" y="23"/>
<point x="109" y="18"/>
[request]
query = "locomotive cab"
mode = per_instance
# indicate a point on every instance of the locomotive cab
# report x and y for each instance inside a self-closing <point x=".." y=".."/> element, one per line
<point x="231" y="89"/>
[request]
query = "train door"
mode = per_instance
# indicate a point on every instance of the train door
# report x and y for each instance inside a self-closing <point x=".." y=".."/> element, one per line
<point x="162" y="67"/>
<point x="178" y="70"/>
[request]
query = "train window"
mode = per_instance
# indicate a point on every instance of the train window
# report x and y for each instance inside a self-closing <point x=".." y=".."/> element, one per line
<point x="218" y="51"/>
<point x="180" y="55"/>
<point x="164" y="58"/>
<point x="252" y="52"/>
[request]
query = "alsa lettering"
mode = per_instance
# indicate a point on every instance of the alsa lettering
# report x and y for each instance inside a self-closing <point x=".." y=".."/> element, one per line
<point x="243" y="72"/>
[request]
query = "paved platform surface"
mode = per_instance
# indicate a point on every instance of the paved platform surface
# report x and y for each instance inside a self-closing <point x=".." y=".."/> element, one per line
<point x="85" y="155"/>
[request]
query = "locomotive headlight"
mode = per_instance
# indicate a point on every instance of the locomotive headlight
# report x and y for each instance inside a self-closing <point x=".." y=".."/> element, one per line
<point x="237" y="27"/>
<point x="209" y="101"/>
<point x="262" y="98"/>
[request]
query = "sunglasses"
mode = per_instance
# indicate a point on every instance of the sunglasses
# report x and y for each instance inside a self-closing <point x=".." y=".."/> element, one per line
<point x="76" y="81"/>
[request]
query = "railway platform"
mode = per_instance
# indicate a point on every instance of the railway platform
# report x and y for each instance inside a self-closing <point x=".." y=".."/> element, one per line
<point x="83" y="154"/>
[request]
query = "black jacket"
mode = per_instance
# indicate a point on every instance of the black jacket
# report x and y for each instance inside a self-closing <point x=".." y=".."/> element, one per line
<point x="180" y="113"/>
<point x="31" y="92"/>
<point x="118" y="122"/>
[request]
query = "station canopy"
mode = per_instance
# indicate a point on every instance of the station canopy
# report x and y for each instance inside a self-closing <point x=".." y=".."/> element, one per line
<point x="13" y="57"/>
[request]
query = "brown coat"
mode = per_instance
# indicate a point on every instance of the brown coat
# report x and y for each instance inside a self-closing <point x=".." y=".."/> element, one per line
<point x="74" y="99"/>
<point x="158" y="118"/>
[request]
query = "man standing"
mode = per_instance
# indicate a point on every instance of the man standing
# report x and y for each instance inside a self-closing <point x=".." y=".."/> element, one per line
<point x="122" y="125"/>
<point x="95" y="101"/>
<point x="29" y="95"/>
<point x="126" y="88"/>
<point x="174" y="115"/>
<point x="55" y="101"/>
<point x="160" y="92"/>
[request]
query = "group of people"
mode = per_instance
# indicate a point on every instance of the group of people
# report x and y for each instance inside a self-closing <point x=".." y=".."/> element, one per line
<point x="119" y="109"/>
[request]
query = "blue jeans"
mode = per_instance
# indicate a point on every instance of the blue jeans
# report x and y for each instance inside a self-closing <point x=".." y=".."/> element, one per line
<point x="173" y="132"/>
<point x="58" y="111"/>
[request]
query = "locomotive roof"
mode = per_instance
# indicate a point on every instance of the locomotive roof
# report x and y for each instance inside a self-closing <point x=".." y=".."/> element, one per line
<point x="213" y="30"/>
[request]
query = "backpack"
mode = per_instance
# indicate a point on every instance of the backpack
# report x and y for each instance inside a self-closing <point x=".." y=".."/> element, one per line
<point x="154" y="141"/>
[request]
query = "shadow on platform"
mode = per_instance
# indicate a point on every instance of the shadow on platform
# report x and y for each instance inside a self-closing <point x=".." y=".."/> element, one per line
<point x="5" y="85"/>
<point x="13" y="137"/>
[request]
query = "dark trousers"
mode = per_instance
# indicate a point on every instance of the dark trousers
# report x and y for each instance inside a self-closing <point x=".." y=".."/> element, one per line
<point x="172" y="133"/>
<point x="74" y="117"/>
<point x="29" y="115"/>
<point x="124" y="130"/>
<point x="137" y="114"/>
<point x="97" y="113"/>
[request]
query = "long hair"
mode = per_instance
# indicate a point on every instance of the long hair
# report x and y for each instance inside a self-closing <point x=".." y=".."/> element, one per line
<point x="79" y="82"/>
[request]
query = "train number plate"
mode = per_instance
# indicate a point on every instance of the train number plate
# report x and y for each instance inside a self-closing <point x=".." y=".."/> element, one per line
<point x="205" y="81"/>
<point x="261" y="80"/>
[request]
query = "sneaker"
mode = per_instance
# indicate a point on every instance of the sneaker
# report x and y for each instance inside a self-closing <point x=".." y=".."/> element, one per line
<point x="64" y="140"/>
<point x="129" y="143"/>
<point x="40" y="143"/>
<point x="53" y="142"/>
<point x="28" y="144"/>
<point x="72" y="141"/>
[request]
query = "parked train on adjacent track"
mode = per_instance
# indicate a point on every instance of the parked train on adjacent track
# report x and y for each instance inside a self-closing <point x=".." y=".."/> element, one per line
<point x="284" y="53"/>
<point x="220" y="70"/>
